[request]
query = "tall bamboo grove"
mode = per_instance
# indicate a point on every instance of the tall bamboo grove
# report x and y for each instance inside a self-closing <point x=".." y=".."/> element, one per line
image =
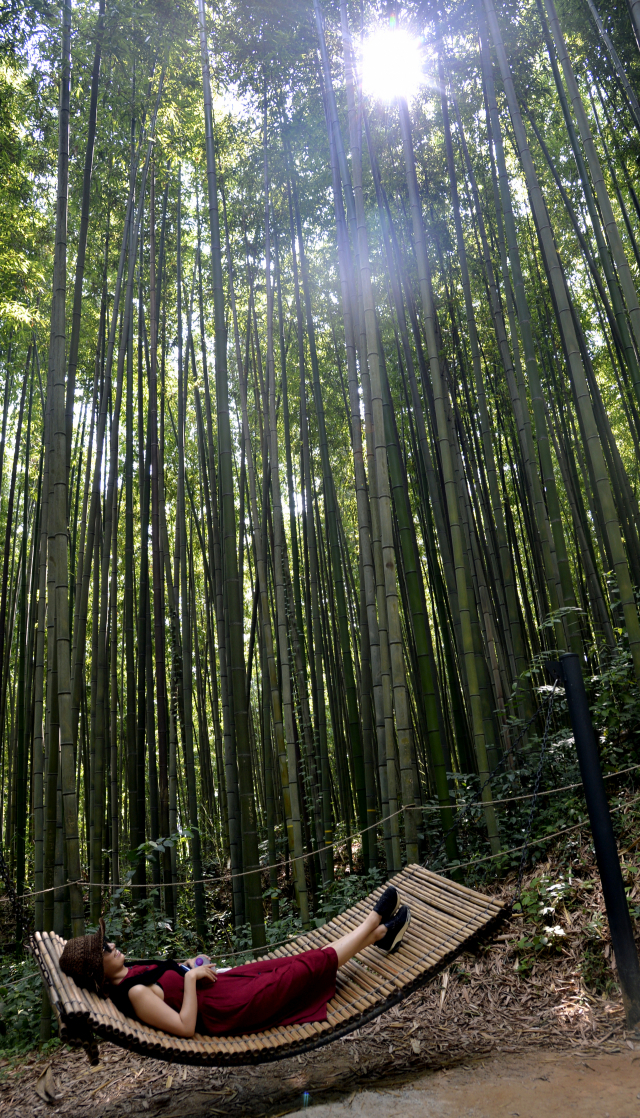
<point x="320" y="432"/>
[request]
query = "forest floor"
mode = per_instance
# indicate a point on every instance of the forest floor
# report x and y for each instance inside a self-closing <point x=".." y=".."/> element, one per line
<point x="535" y="1083"/>
<point x="493" y="1021"/>
<point x="547" y="1029"/>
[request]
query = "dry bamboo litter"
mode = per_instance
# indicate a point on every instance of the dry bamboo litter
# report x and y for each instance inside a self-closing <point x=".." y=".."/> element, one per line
<point x="446" y="919"/>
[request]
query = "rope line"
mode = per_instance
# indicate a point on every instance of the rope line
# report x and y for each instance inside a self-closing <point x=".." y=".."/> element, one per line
<point x="297" y="858"/>
<point x="476" y="802"/>
<point x="479" y="798"/>
<point x="302" y="857"/>
<point x="538" y="841"/>
<point x="463" y="865"/>
<point x="536" y="789"/>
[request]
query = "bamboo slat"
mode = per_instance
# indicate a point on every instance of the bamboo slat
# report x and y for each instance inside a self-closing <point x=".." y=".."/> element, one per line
<point x="65" y="996"/>
<point x="445" y="885"/>
<point x="357" y="993"/>
<point x="433" y="915"/>
<point x="354" y="971"/>
<point x="451" y="906"/>
<point x="71" y="1000"/>
<point x="447" y="899"/>
<point x="347" y="1003"/>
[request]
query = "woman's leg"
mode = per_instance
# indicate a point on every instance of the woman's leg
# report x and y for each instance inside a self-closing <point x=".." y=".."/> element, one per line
<point x="367" y="933"/>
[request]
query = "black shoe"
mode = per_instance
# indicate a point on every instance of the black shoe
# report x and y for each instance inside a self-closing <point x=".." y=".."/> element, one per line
<point x="388" y="904"/>
<point x="396" y="929"/>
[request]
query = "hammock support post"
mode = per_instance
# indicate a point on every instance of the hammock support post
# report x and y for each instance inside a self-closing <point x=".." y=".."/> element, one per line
<point x="604" y="839"/>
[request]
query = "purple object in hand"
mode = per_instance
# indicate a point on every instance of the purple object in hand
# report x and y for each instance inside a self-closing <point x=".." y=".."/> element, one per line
<point x="201" y="960"/>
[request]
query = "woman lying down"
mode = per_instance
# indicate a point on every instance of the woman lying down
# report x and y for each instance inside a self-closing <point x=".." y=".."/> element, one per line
<point x="180" y="998"/>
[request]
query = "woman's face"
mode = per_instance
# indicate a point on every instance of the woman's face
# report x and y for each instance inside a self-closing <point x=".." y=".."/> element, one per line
<point x="113" y="960"/>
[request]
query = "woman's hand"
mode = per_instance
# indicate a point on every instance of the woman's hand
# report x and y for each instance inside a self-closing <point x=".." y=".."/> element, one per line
<point x="196" y="974"/>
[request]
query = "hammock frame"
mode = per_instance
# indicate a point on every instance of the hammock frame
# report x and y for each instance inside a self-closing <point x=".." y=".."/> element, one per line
<point x="447" y="920"/>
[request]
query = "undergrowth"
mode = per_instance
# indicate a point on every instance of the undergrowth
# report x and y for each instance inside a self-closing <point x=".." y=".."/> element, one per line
<point x="20" y="1006"/>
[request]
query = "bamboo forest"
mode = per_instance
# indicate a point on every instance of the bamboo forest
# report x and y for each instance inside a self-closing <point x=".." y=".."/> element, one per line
<point x="320" y="437"/>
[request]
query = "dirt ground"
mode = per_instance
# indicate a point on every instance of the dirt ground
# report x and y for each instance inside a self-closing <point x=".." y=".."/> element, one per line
<point x="365" y="1077"/>
<point x="533" y="1084"/>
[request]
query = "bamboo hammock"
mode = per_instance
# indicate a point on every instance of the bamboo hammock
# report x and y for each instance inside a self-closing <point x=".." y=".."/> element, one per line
<point x="446" y="919"/>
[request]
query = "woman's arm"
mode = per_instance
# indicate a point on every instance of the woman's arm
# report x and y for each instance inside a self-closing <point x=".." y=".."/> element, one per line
<point x="153" y="1011"/>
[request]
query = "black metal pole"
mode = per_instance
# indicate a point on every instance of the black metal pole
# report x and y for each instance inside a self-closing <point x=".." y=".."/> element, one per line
<point x="604" y="839"/>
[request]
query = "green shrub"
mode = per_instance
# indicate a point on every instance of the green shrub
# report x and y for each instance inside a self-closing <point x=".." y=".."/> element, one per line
<point x="20" y="1005"/>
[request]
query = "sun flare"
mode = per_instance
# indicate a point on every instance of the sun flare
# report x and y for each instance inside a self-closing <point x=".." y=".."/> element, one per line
<point x="392" y="64"/>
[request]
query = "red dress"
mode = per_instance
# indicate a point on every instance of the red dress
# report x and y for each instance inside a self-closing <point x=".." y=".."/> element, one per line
<point x="288" y="991"/>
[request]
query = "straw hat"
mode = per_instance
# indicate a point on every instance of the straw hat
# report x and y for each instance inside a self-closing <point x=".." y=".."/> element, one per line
<point x="82" y="958"/>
